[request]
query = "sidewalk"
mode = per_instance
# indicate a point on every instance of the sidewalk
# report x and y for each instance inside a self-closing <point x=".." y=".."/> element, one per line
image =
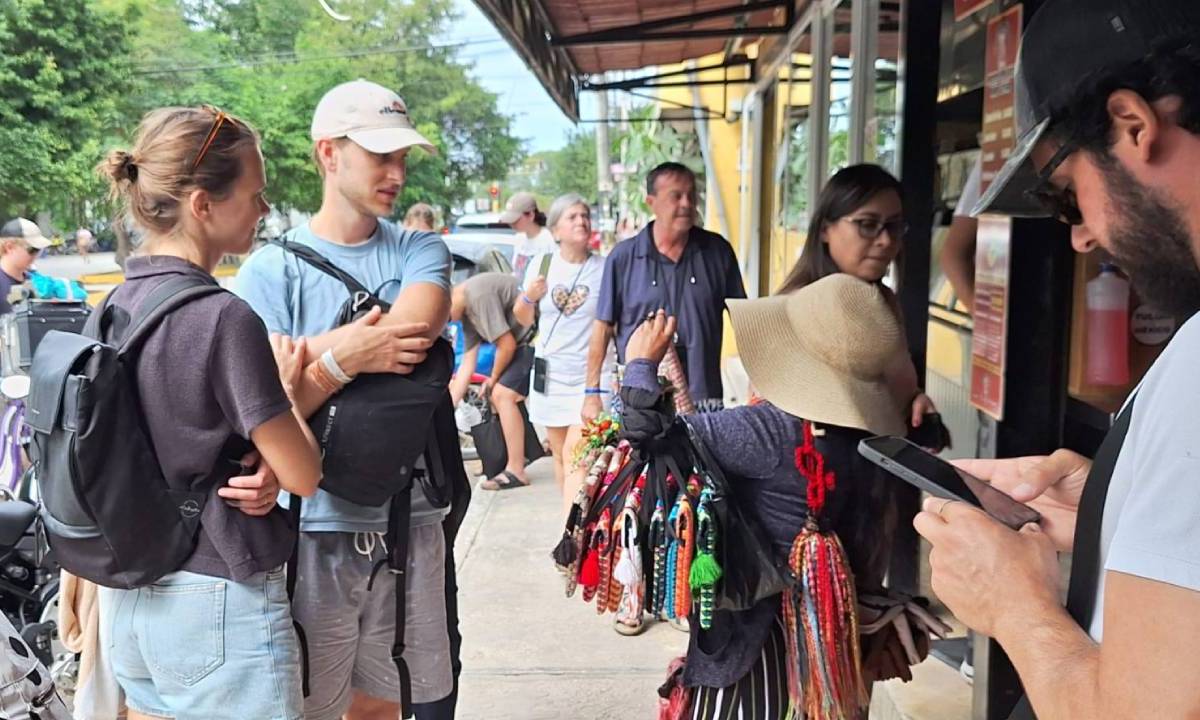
<point x="530" y="653"/>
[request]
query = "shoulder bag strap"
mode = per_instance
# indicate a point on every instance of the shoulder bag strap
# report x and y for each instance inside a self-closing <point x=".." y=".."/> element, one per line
<point x="322" y="263"/>
<point x="1085" y="558"/>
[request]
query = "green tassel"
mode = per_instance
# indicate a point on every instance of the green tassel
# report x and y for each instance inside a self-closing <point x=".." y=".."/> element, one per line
<point x="705" y="571"/>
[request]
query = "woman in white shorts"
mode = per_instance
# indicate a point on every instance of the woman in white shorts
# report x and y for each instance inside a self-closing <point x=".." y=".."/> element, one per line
<point x="565" y="286"/>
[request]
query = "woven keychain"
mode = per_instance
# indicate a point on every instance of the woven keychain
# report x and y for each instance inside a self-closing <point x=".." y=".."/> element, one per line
<point x="822" y="616"/>
<point x="678" y="602"/>
<point x="604" y="553"/>
<point x="570" y="547"/>
<point x="706" y="571"/>
<point x="658" y="543"/>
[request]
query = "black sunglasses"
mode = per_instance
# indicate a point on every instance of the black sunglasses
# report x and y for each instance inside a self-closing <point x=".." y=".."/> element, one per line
<point x="871" y="229"/>
<point x="1061" y="202"/>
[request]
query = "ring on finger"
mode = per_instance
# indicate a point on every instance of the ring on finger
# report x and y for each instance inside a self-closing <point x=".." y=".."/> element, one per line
<point x="943" y="506"/>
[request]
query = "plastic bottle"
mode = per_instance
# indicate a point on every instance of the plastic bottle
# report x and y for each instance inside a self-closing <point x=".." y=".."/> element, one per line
<point x="1108" y="328"/>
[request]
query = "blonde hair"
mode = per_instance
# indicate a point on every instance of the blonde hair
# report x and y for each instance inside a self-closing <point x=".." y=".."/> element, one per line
<point x="153" y="180"/>
<point x="420" y="212"/>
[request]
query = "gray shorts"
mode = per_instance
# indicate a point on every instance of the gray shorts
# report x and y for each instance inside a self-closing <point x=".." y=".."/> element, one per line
<point x="350" y="631"/>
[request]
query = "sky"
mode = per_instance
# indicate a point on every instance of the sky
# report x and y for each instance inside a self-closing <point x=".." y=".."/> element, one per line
<point x="536" y="118"/>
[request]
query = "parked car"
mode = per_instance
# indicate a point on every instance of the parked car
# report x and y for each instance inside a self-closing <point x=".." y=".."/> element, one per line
<point x="482" y="223"/>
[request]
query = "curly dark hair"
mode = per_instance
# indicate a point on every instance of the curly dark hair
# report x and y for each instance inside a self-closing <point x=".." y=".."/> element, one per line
<point x="1172" y="68"/>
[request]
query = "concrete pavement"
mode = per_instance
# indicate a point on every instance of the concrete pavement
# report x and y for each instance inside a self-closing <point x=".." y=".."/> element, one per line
<point x="530" y="653"/>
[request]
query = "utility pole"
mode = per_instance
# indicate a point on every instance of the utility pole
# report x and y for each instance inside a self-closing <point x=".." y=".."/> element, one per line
<point x="603" y="174"/>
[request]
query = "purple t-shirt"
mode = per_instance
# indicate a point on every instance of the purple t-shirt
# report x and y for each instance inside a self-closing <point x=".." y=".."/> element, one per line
<point x="207" y="373"/>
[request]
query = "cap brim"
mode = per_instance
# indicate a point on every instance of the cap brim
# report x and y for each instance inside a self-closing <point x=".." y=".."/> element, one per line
<point x="510" y="216"/>
<point x="389" y="140"/>
<point x="1008" y="192"/>
<point x="37" y="243"/>
<point x="784" y="373"/>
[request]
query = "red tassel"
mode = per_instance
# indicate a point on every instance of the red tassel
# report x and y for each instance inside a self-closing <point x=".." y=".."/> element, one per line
<point x="589" y="573"/>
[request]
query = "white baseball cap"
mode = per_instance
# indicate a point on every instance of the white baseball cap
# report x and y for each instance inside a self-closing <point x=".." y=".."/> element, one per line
<point x="369" y="114"/>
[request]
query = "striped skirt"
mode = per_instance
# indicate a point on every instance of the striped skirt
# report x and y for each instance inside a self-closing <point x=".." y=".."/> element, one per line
<point x="761" y="694"/>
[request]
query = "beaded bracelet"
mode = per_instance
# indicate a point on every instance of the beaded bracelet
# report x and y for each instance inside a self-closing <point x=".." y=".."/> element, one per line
<point x="322" y="378"/>
<point x="593" y="391"/>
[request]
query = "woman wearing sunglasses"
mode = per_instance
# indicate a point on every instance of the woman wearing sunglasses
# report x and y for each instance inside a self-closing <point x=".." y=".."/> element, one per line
<point x="214" y="639"/>
<point x="858" y="229"/>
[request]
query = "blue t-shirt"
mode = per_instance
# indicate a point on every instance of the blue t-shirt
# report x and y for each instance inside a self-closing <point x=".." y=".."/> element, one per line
<point x="296" y="299"/>
<point x="638" y="280"/>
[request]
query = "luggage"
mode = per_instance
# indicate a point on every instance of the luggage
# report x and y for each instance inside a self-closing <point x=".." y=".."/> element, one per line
<point x="35" y="318"/>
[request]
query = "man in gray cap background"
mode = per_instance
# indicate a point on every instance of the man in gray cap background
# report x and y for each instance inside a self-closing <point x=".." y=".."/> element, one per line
<point x="1108" y="116"/>
<point x="362" y="135"/>
<point x="20" y="243"/>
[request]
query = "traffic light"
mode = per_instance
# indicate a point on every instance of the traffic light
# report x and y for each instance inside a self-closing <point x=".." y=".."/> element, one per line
<point x="494" y="190"/>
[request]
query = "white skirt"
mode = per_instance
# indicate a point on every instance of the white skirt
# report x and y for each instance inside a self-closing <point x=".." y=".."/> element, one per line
<point x="562" y="403"/>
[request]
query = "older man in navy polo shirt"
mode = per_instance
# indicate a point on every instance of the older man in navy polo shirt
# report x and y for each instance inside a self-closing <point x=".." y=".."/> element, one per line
<point x="675" y="266"/>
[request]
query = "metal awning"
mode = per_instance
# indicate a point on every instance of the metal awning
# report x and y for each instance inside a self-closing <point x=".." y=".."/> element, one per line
<point x="565" y="41"/>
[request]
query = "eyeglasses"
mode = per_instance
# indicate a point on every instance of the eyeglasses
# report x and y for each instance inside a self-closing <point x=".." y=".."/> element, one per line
<point x="33" y="252"/>
<point x="871" y="229"/>
<point x="218" y="121"/>
<point x="1061" y="202"/>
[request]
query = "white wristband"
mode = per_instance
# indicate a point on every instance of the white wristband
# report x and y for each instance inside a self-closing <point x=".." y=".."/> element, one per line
<point x="334" y="369"/>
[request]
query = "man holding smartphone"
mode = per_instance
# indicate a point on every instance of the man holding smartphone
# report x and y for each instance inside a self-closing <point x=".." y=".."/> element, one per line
<point x="1109" y="126"/>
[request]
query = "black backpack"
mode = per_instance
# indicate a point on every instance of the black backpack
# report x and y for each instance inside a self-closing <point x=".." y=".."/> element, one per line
<point x="109" y="513"/>
<point x="373" y="430"/>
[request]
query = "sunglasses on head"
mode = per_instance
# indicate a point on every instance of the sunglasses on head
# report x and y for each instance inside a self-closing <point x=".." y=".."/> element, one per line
<point x="1060" y="202"/>
<point x="218" y="121"/>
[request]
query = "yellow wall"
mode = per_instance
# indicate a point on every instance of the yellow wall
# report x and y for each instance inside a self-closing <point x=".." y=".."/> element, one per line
<point x="725" y="147"/>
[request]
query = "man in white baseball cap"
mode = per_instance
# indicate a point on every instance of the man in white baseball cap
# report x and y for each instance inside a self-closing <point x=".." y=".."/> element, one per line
<point x="362" y="135"/>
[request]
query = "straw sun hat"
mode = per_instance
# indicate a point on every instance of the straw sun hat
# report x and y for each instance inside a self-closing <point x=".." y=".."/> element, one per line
<point x="821" y="353"/>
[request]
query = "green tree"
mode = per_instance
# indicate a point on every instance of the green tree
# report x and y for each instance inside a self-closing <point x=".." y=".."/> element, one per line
<point x="571" y="168"/>
<point x="61" y="75"/>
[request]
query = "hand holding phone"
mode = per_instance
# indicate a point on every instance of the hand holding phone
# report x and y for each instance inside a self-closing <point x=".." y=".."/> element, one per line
<point x="941" y="479"/>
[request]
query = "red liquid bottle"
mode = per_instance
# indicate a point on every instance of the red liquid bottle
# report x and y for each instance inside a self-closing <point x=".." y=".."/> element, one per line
<point x="1108" y="328"/>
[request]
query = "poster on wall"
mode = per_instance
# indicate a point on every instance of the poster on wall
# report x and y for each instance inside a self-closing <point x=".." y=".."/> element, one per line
<point x="988" y="349"/>
<point x="963" y="8"/>
<point x="999" y="126"/>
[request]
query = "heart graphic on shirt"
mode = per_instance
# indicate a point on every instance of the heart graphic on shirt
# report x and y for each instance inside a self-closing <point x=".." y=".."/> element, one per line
<point x="568" y="302"/>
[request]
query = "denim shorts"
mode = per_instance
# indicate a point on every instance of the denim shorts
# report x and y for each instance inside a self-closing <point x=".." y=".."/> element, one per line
<point x="198" y="646"/>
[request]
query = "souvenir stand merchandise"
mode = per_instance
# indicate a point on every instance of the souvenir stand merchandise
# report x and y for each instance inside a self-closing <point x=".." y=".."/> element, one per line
<point x="644" y="534"/>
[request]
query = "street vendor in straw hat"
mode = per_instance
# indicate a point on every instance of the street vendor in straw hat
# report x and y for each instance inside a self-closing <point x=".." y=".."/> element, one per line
<point x="818" y="357"/>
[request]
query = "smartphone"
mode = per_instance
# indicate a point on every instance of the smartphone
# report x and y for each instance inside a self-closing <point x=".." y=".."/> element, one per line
<point x="541" y="368"/>
<point x="938" y="477"/>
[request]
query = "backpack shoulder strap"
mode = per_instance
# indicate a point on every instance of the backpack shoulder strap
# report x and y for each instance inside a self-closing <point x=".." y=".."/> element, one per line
<point x="322" y="263"/>
<point x="165" y="299"/>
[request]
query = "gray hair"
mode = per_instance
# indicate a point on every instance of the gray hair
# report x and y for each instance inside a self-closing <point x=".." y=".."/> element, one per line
<point x="561" y="205"/>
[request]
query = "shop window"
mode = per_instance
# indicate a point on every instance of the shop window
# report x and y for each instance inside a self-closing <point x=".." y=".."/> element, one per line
<point x="794" y="100"/>
<point x="882" y="137"/>
<point x="839" y="24"/>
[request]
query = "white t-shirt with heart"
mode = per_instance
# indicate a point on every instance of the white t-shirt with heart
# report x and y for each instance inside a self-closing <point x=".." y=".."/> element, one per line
<point x="564" y="333"/>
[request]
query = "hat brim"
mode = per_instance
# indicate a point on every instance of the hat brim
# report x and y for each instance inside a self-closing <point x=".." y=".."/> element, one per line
<point x="510" y="216"/>
<point x="389" y="140"/>
<point x="39" y="242"/>
<point x="795" y="381"/>
<point x="1008" y="194"/>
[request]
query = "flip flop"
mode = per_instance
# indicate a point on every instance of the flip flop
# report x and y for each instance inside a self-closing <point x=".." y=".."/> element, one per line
<point x="504" y="481"/>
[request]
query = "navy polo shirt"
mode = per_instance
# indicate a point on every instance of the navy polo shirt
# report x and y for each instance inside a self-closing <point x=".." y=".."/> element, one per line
<point x="639" y="280"/>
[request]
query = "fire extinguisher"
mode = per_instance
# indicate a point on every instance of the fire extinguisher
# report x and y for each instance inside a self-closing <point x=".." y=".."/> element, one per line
<point x="1108" y="328"/>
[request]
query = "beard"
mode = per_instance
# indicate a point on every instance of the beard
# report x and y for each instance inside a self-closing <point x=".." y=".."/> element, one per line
<point x="1149" y="239"/>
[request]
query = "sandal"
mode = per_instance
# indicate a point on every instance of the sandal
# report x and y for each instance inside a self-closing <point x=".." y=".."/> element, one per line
<point x="504" y="481"/>
<point x="624" y="628"/>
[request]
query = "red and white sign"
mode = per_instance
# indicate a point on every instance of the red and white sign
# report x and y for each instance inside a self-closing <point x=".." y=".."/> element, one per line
<point x="963" y="8"/>
<point x="988" y="349"/>
<point x="999" y="98"/>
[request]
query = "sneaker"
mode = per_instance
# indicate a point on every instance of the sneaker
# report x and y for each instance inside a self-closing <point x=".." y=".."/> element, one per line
<point x="967" y="670"/>
<point x="680" y="624"/>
